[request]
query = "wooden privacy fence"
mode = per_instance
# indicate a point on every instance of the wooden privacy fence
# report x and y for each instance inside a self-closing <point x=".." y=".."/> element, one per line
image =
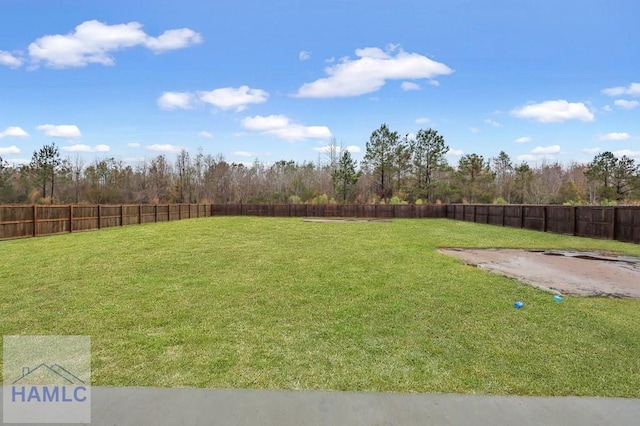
<point x="331" y="210"/>
<point x="617" y="223"/>
<point x="620" y="223"/>
<point x="19" y="221"/>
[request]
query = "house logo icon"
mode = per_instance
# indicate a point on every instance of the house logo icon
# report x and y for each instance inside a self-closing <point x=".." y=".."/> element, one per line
<point x="47" y="379"/>
<point x="45" y="374"/>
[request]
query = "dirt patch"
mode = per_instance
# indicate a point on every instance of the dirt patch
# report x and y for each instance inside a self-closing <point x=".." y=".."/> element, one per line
<point x="343" y="220"/>
<point x="566" y="272"/>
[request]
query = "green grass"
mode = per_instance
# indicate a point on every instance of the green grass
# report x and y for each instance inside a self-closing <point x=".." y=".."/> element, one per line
<point x="248" y="302"/>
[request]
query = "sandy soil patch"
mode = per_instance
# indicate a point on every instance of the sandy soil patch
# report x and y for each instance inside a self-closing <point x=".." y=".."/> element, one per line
<point x="565" y="272"/>
<point x="343" y="220"/>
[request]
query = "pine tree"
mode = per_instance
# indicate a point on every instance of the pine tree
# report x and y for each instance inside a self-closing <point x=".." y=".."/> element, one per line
<point x="345" y="176"/>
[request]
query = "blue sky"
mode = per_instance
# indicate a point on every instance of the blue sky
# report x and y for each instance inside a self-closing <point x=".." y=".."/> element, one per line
<point x="541" y="80"/>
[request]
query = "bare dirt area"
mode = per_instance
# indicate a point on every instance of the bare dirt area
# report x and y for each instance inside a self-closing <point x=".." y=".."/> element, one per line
<point x="343" y="220"/>
<point x="565" y="272"/>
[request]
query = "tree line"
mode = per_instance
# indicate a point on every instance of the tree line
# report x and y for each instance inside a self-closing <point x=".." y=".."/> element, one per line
<point x="395" y="169"/>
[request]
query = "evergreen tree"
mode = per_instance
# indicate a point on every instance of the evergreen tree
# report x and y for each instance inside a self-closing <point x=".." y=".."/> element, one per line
<point x="345" y="176"/>
<point x="475" y="176"/>
<point x="615" y="178"/>
<point x="381" y="148"/>
<point x="428" y="150"/>
<point x="44" y="163"/>
<point x="503" y="169"/>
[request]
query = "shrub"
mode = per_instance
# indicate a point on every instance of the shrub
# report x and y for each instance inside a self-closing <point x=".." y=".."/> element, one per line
<point x="294" y="199"/>
<point x="500" y="200"/>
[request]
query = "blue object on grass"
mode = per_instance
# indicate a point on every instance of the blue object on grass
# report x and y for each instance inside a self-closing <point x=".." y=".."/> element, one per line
<point x="558" y="298"/>
<point x="518" y="305"/>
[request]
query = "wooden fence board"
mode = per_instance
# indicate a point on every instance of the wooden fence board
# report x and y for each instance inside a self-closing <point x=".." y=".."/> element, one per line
<point x="620" y="223"/>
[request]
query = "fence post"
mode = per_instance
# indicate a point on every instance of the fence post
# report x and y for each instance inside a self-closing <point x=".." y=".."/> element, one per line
<point x="121" y="214"/>
<point x="544" y="218"/>
<point x="70" y="217"/>
<point x="155" y="211"/>
<point x="99" y="217"/>
<point x="522" y="216"/>
<point x="35" y="220"/>
<point x="576" y="220"/>
<point x="503" y="213"/>
<point x="179" y="211"/>
<point x="139" y="214"/>
<point x="615" y="221"/>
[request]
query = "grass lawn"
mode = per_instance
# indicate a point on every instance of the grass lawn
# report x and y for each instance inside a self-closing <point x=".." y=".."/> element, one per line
<point x="248" y="302"/>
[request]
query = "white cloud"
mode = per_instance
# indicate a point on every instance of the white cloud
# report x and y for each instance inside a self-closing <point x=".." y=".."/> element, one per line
<point x="163" y="148"/>
<point x="234" y="98"/>
<point x="591" y="150"/>
<point x="623" y="103"/>
<point x="304" y="55"/>
<point x="10" y="60"/>
<point x="632" y="89"/>
<point x="555" y="111"/>
<point x="540" y="153"/>
<point x="243" y="154"/>
<point x="409" y="85"/>
<point x="546" y="150"/>
<point x="422" y="120"/>
<point x="474" y="130"/>
<point x="615" y="136"/>
<point x="281" y="126"/>
<point x="15" y="132"/>
<point x="93" y="42"/>
<point x="9" y="150"/>
<point x="527" y="157"/>
<point x="205" y="134"/>
<point x="492" y="123"/>
<point x="261" y="123"/>
<point x="607" y="108"/>
<point x="15" y="162"/>
<point x="435" y="83"/>
<point x="455" y="153"/>
<point x="173" y="39"/>
<point x="629" y="153"/>
<point x="60" y="131"/>
<point x="370" y="72"/>
<point x="86" y="148"/>
<point x="524" y="139"/>
<point x="133" y="145"/>
<point x="175" y="100"/>
<point x="325" y="149"/>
